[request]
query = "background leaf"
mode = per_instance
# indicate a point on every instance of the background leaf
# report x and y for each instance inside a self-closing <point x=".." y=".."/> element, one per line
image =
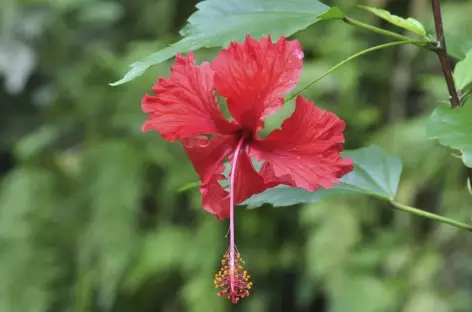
<point x="456" y="28"/>
<point x="361" y="293"/>
<point x="375" y="173"/>
<point x="217" y="22"/>
<point x="25" y="247"/>
<point x="463" y="72"/>
<point x="110" y="236"/>
<point x="453" y="128"/>
<point x="409" y="23"/>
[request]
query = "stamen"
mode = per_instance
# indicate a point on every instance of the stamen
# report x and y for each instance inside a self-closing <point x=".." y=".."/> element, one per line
<point x="232" y="278"/>
<point x="234" y="284"/>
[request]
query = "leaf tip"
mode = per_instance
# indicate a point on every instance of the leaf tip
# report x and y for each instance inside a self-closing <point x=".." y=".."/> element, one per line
<point x="123" y="80"/>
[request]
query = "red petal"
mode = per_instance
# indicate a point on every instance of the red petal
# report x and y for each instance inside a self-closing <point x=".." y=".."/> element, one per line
<point x="185" y="103"/>
<point x="305" y="152"/>
<point x="207" y="156"/>
<point x="255" y="75"/>
<point x="247" y="180"/>
<point x="215" y="199"/>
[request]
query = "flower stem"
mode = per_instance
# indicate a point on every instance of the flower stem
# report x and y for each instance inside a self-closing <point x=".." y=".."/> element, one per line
<point x="431" y="216"/>
<point x="352" y="57"/>
<point x="231" y="212"/>
<point x="442" y="54"/>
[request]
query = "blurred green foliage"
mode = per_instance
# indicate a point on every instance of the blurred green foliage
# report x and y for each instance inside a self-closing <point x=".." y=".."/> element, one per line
<point x="90" y="216"/>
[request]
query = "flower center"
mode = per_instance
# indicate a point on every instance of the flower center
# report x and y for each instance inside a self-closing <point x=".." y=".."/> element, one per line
<point x="245" y="135"/>
<point x="231" y="278"/>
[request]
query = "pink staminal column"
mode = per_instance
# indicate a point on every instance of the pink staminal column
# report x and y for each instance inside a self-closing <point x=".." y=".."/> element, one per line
<point x="232" y="279"/>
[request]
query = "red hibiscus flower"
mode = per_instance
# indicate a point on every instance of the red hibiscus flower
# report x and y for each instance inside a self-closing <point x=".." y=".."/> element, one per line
<point x="253" y="76"/>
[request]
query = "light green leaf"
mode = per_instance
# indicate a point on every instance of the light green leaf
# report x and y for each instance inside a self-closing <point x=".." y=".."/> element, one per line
<point x="375" y="173"/>
<point x="463" y="72"/>
<point x="458" y="43"/>
<point x="218" y="22"/>
<point x="453" y="128"/>
<point x="456" y="24"/>
<point x="332" y="13"/>
<point x="409" y="23"/>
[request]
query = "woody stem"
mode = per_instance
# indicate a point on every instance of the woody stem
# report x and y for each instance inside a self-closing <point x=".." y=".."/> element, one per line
<point x="231" y="210"/>
<point x="441" y="50"/>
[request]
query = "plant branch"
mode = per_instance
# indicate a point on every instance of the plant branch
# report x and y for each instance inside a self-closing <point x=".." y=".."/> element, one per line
<point x="441" y="51"/>
<point x="352" y="57"/>
<point x="431" y="216"/>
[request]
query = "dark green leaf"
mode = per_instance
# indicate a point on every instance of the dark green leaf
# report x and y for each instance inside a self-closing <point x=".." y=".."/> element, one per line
<point x="218" y="22"/>
<point x="375" y="173"/>
<point x="453" y="128"/>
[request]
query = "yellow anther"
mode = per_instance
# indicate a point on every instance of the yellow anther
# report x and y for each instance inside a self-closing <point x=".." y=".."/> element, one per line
<point x="232" y="279"/>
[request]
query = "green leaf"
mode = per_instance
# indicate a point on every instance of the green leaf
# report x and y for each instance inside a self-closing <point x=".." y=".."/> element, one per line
<point x="463" y="72"/>
<point x="453" y="128"/>
<point x="332" y="13"/>
<point x="457" y="22"/>
<point x="458" y="44"/>
<point x="375" y="173"/>
<point x="218" y="22"/>
<point x="409" y="23"/>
